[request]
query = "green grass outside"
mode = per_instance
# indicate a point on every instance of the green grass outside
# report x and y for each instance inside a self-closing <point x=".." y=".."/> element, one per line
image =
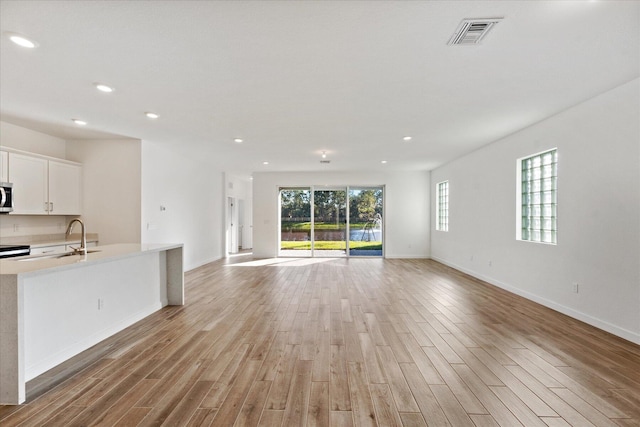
<point x="328" y="245"/>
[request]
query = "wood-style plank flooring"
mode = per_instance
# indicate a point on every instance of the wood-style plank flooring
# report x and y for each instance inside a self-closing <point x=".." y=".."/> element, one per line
<point x="357" y="342"/>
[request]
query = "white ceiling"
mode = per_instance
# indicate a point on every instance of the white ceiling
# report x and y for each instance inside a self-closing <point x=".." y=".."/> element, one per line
<point x="296" y="78"/>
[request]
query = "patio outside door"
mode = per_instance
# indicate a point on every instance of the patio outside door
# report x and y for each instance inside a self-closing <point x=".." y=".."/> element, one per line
<point x="295" y="222"/>
<point x="365" y="221"/>
<point x="329" y="223"/>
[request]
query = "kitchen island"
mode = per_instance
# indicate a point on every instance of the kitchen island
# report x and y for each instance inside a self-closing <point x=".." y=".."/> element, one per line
<point x="52" y="307"/>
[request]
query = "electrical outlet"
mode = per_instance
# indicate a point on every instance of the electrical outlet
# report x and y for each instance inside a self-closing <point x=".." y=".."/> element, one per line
<point x="16" y="228"/>
<point x="575" y="287"/>
<point x="100" y="303"/>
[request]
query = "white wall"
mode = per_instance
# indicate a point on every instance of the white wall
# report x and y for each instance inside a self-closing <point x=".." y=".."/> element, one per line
<point x="406" y="207"/>
<point x="598" y="246"/>
<point x="241" y="188"/>
<point x="191" y="191"/>
<point x="111" y="187"/>
<point x="32" y="141"/>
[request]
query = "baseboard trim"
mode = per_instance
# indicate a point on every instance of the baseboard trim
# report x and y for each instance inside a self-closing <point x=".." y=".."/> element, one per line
<point x="201" y="263"/>
<point x="578" y="315"/>
<point x="397" y="256"/>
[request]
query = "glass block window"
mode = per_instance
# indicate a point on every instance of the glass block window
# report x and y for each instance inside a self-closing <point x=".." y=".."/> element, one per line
<point x="539" y="176"/>
<point x="442" y="206"/>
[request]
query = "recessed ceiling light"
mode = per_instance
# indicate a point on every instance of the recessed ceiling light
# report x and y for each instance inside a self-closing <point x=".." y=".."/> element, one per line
<point x="103" y="87"/>
<point x="407" y="138"/>
<point x="79" y="122"/>
<point x="324" y="154"/>
<point x="21" y="40"/>
<point x="265" y="163"/>
<point x="238" y="140"/>
<point x="151" y="115"/>
<point x="383" y="162"/>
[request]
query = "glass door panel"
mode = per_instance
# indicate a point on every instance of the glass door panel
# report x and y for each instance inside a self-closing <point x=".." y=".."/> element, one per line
<point x="295" y="222"/>
<point x="365" y="221"/>
<point x="342" y="222"/>
<point x="329" y="223"/>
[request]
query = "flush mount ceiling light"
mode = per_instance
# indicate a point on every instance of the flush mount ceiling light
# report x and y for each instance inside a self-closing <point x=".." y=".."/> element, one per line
<point x="79" y="122"/>
<point x="384" y="162"/>
<point x="265" y="163"/>
<point x="238" y="140"/>
<point x="103" y="87"/>
<point x="406" y="138"/>
<point x="151" y="115"/>
<point x="324" y="154"/>
<point x="21" y="40"/>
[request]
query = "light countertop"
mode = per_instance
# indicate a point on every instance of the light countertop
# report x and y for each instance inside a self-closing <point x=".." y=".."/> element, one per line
<point x="38" y="264"/>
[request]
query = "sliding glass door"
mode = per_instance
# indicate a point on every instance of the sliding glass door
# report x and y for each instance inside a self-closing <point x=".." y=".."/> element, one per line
<point x="365" y="221"/>
<point x="295" y="221"/>
<point x="331" y="222"/>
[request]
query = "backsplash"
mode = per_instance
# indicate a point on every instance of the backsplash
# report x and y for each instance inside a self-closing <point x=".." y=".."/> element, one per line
<point x="27" y="225"/>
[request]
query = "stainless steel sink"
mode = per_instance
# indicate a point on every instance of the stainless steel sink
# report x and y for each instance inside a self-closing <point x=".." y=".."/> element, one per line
<point x="53" y="256"/>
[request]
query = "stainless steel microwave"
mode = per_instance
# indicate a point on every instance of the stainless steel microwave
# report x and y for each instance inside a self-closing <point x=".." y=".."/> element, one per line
<point x="6" y="197"/>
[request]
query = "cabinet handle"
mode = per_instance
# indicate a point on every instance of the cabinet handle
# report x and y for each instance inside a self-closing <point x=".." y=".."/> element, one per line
<point x="51" y="207"/>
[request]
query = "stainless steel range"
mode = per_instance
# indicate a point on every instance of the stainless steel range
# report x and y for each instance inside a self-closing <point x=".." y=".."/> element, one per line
<point x="9" y="251"/>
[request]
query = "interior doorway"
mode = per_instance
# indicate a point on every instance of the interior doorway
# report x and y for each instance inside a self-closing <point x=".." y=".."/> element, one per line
<point x="242" y="244"/>
<point x="232" y="226"/>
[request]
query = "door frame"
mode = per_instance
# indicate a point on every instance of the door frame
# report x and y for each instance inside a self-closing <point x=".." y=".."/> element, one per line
<point x="346" y="188"/>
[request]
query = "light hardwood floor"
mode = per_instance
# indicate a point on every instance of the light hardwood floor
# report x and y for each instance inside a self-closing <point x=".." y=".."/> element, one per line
<point x="341" y="343"/>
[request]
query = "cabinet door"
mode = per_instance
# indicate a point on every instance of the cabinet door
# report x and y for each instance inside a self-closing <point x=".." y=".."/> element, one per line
<point x="65" y="185"/>
<point x="4" y="166"/>
<point x="29" y="177"/>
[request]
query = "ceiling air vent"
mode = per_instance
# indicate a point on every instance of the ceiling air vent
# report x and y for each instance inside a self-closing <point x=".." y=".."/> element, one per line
<point x="326" y="162"/>
<point x="472" y="31"/>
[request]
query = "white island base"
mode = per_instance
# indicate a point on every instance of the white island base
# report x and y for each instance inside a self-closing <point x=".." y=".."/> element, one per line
<point x="52" y="309"/>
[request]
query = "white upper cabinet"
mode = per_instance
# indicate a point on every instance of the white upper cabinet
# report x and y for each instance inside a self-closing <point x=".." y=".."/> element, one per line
<point x="4" y="166"/>
<point x="65" y="188"/>
<point x="45" y="187"/>
<point x="29" y="176"/>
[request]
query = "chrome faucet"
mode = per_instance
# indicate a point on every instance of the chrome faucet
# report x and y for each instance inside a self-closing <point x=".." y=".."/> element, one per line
<point x="82" y="250"/>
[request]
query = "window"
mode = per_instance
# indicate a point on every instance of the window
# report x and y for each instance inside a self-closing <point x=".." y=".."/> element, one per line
<point x="442" y="206"/>
<point x="537" y="196"/>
